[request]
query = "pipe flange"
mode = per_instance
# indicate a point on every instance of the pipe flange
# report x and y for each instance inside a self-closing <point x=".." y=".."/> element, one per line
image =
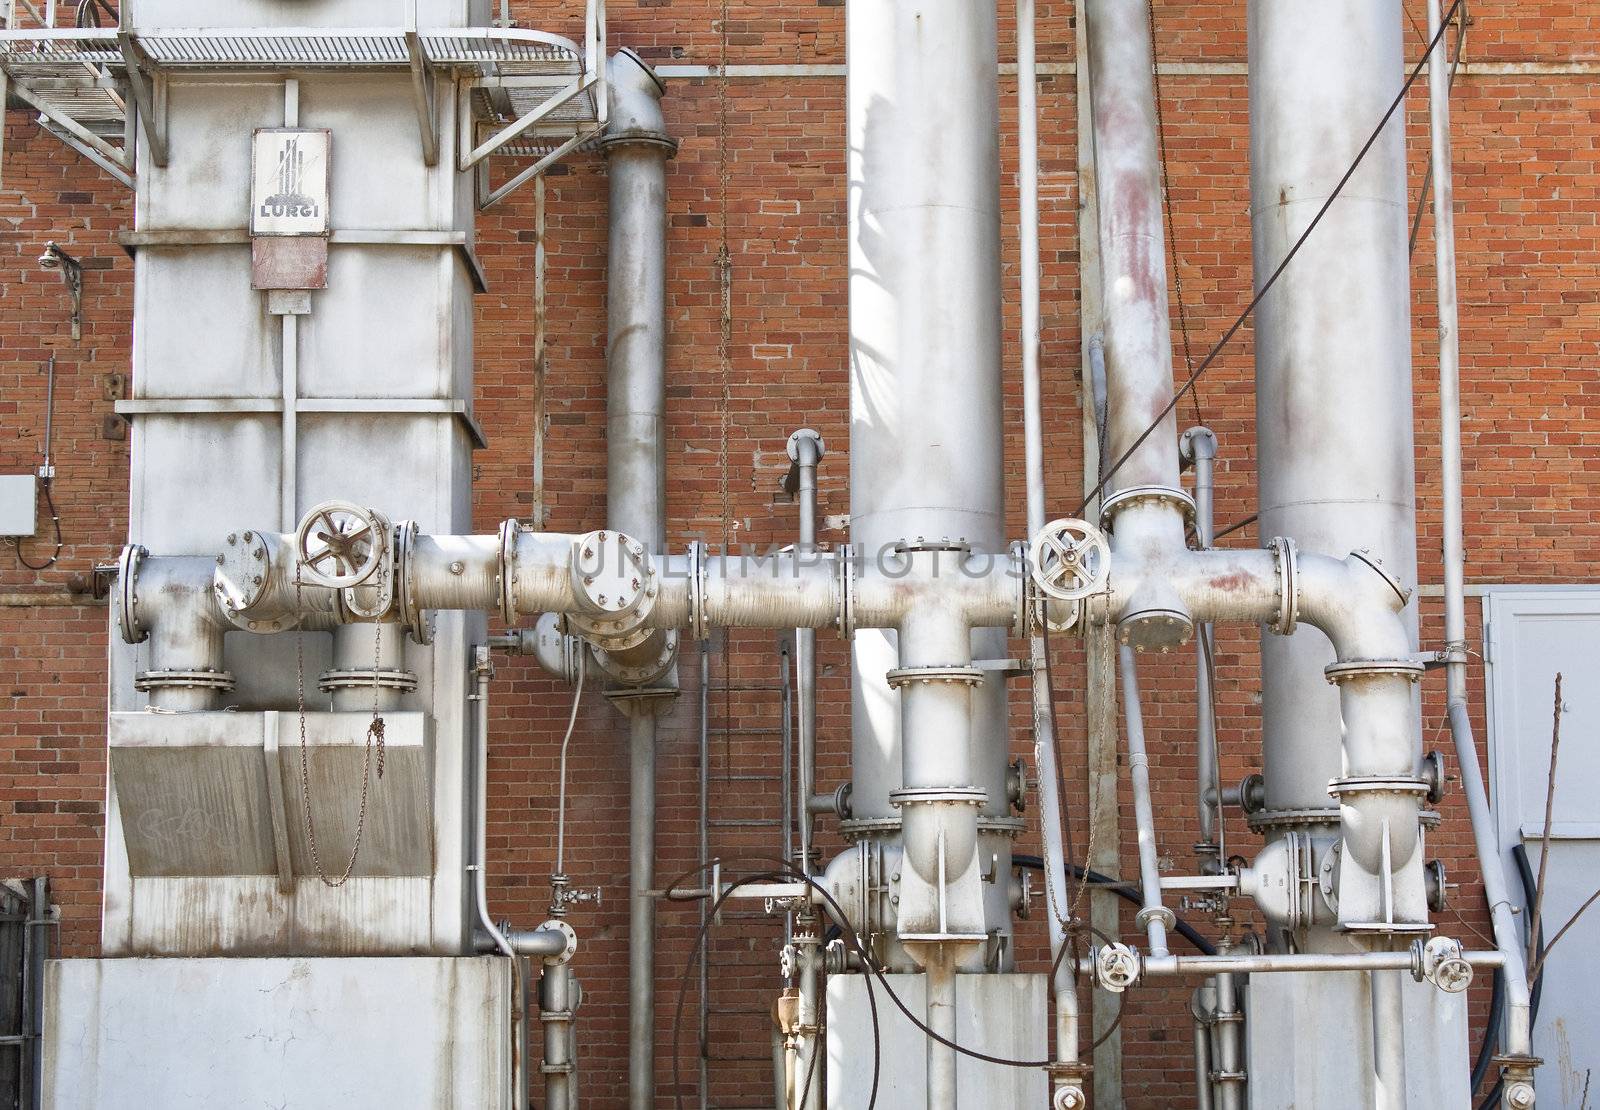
<point x="1268" y="820"/>
<point x="126" y="595"/>
<point x="859" y="828"/>
<point x="242" y="572"/>
<point x="637" y="674"/>
<point x="935" y="795"/>
<point x="508" y="571"/>
<point x="1339" y="673"/>
<point x="1010" y="827"/>
<point x="571" y="949"/>
<point x="412" y="617"/>
<point x="1377" y="784"/>
<point x="1288" y="562"/>
<point x="1156" y="913"/>
<point x="1133" y="495"/>
<point x="1372" y="560"/>
<point x="846" y="557"/>
<point x="906" y="676"/>
<point x="922" y="543"/>
<point x="366" y="678"/>
<point x="805" y="433"/>
<point x="699" y="628"/>
<point x="183" y="680"/>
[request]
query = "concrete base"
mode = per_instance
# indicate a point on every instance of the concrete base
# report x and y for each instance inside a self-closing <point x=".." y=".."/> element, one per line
<point x="352" y="1034"/>
<point x="1309" y="1043"/>
<point x="1003" y="1015"/>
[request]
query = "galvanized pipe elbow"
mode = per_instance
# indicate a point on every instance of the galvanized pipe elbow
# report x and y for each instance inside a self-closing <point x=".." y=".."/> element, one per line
<point x="169" y="602"/>
<point x="635" y="103"/>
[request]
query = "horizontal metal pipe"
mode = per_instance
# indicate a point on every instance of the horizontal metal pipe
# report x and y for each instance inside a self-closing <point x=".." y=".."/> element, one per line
<point x="1270" y="962"/>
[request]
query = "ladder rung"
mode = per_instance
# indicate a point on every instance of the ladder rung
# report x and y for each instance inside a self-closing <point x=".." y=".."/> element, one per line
<point x="745" y="823"/>
<point x="723" y="688"/>
<point x="725" y="731"/>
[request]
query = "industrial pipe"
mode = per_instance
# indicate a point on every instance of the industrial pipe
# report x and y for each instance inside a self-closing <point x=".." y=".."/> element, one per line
<point x="1063" y="987"/>
<point x="637" y="147"/>
<point x="806" y="449"/>
<point x="1333" y="373"/>
<point x="926" y="436"/>
<point x="1518" y="1041"/>
<point x="1199" y="448"/>
<point x="1155" y="917"/>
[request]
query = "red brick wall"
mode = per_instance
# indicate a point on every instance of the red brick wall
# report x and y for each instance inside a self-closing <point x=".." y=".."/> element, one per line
<point x="1527" y="188"/>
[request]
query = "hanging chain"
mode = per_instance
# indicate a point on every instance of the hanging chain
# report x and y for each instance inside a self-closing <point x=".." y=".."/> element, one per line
<point x="375" y="732"/>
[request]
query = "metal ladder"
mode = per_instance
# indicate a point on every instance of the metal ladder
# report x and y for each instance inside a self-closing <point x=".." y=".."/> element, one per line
<point x="745" y="810"/>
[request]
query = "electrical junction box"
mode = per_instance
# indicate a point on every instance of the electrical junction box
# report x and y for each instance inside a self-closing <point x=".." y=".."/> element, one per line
<point x="19" y="504"/>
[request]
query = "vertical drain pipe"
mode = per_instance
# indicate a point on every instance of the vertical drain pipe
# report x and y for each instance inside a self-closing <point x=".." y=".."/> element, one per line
<point x="637" y="148"/>
<point x="1155" y="917"/>
<point x="1065" y="1077"/>
<point x="1518" y="1040"/>
<point x="806" y="449"/>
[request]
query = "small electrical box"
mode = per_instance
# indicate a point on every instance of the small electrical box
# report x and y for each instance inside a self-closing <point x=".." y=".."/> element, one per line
<point x="19" y="504"/>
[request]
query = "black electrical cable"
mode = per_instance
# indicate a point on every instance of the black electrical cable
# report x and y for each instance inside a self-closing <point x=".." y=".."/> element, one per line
<point x="874" y="969"/>
<point x="1129" y="892"/>
<point x="1266" y="286"/>
<point x="1519" y="853"/>
<point x="1234" y="527"/>
<point x="694" y="956"/>
<point x="55" y="520"/>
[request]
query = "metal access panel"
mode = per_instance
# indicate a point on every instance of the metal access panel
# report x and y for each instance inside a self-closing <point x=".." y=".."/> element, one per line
<point x="210" y="814"/>
<point x="1309" y="1043"/>
<point x="19" y="504"/>
<point x="1002" y="1015"/>
<point x="356" y="1034"/>
<point x="1530" y="634"/>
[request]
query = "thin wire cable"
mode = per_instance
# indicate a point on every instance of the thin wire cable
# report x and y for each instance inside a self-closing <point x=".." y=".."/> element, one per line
<point x="1266" y="287"/>
<point x="1234" y="527"/>
<point x="561" y="803"/>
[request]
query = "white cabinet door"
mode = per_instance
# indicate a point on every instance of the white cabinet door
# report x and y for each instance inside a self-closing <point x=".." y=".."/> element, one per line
<point x="1532" y="634"/>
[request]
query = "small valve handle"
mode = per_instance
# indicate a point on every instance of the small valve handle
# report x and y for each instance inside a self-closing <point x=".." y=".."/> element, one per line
<point x="1069" y="559"/>
<point x="339" y="545"/>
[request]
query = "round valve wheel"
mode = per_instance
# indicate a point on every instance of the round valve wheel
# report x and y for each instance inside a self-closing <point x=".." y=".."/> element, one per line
<point x="1070" y="559"/>
<point x="340" y="545"/>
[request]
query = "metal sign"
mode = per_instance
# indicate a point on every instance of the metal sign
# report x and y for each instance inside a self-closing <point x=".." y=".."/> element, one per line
<point x="289" y="181"/>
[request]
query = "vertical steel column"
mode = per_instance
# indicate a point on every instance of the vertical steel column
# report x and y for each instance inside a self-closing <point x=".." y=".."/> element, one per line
<point x="1333" y="346"/>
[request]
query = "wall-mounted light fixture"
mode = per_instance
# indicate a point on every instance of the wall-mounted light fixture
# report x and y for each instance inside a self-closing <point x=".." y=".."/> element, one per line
<point x="54" y="258"/>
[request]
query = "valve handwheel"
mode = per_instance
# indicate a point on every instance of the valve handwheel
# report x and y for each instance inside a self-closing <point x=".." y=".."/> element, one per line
<point x="1070" y="559"/>
<point x="339" y="545"/>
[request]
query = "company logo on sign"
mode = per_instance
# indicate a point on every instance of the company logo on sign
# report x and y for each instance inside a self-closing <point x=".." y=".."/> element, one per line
<point x="290" y="190"/>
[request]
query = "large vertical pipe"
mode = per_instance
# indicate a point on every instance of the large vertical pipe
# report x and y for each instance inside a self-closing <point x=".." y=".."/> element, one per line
<point x="925" y="387"/>
<point x="1333" y="341"/>
<point x="1143" y="504"/>
<point x="1138" y="329"/>
<point x="637" y="148"/>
